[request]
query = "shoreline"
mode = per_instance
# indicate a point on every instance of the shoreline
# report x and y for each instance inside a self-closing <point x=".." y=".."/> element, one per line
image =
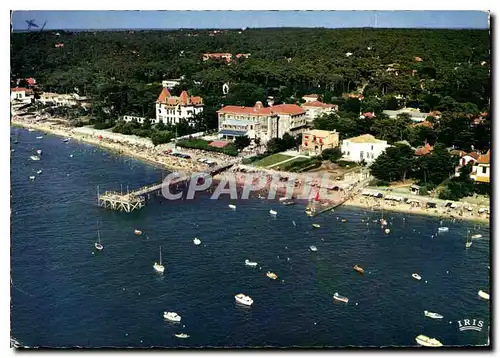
<point x="358" y="201"/>
<point x="117" y="148"/>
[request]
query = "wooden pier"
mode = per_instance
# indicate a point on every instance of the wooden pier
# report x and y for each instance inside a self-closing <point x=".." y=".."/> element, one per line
<point x="136" y="199"/>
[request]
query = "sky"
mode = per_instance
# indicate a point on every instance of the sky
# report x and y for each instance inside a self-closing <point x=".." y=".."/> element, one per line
<point x="239" y="19"/>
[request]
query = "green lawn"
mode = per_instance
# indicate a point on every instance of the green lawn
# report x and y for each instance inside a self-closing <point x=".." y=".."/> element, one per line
<point x="292" y="163"/>
<point x="270" y="160"/>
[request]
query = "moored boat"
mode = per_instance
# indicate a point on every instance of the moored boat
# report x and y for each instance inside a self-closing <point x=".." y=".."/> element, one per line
<point x="31" y="129"/>
<point x="317" y="226"/>
<point x="428" y="342"/>
<point x="250" y="263"/>
<point x="443" y="229"/>
<point x="313" y="248"/>
<point x="483" y="294"/>
<point x="172" y="316"/>
<point x="289" y="202"/>
<point x="137" y="232"/>
<point x="35" y="157"/>
<point x="433" y="315"/>
<point x="182" y="335"/>
<point x="32" y="177"/>
<point x="39" y="137"/>
<point x="231" y="206"/>
<point x="273" y="212"/>
<point x="243" y="299"/>
<point x="39" y="152"/>
<point x="39" y="171"/>
<point x="196" y="241"/>
<point x="387" y="231"/>
<point x="271" y="275"/>
<point x="66" y="140"/>
<point x="416" y="276"/>
<point x="344" y="220"/>
<point x="159" y="266"/>
<point x="359" y="269"/>
<point x="477" y="236"/>
<point x="340" y="298"/>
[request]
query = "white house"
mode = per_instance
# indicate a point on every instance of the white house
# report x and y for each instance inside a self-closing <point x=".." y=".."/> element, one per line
<point x="64" y="99"/>
<point x="414" y="113"/>
<point x="261" y="122"/>
<point x="21" y="94"/>
<point x="171" y="109"/>
<point x="310" y="97"/>
<point x="316" y="108"/>
<point x="365" y="147"/>
<point x="171" y="83"/>
<point x="138" y="119"/>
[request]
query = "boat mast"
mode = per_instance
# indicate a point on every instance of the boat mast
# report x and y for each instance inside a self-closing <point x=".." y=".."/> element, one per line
<point x="160" y="255"/>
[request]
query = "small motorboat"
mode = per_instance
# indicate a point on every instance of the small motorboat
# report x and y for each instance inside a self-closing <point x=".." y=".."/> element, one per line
<point x="39" y="152"/>
<point x="387" y="231"/>
<point x="289" y="202"/>
<point x="172" y="316"/>
<point x="196" y="241"/>
<point x="31" y="129"/>
<point x="35" y="157"/>
<point x="32" y="177"/>
<point x="383" y="222"/>
<point x="477" y="236"/>
<point x="243" y="299"/>
<point x="317" y="226"/>
<point x="433" y="315"/>
<point x="182" y="335"/>
<point x="250" y="263"/>
<point x="443" y="229"/>
<point x="231" y="206"/>
<point x="313" y="248"/>
<point x="66" y="140"/>
<point x="12" y="150"/>
<point x="340" y="298"/>
<point x="273" y="212"/>
<point x="39" y="137"/>
<point x="39" y="171"/>
<point x="271" y="275"/>
<point x="137" y="232"/>
<point x="71" y="155"/>
<point x="428" y="342"/>
<point x="483" y="294"/>
<point x="344" y="220"/>
<point x="359" y="269"/>
<point x="416" y="276"/>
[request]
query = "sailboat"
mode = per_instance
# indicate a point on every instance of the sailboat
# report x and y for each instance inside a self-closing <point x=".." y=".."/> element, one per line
<point x="159" y="266"/>
<point x="468" y="243"/>
<point x="98" y="244"/>
<point x="311" y="207"/>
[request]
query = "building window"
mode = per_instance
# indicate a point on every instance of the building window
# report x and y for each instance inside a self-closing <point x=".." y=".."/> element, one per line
<point x="372" y="147"/>
<point x="484" y="170"/>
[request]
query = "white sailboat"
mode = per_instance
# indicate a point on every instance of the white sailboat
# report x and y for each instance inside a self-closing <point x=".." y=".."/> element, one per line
<point x="159" y="266"/>
<point x="98" y="244"/>
<point x="467" y="242"/>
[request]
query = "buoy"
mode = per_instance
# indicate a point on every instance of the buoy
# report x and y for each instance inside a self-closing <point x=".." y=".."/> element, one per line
<point x="447" y="271"/>
<point x="425" y="281"/>
<point x="356" y="303"/>
<point x="314" y="323"/>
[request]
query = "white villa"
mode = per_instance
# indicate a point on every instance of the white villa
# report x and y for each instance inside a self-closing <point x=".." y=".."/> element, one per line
<point x="261" y="122"/>
<point x="171" y="109"/>
<point x="316" y="108"/>
<point x="171" y="83"/>
<point x="365" y="147"/>
<point x="414" y="113"/>
<point x="21" y="94"/>
<point x="64" y="99"/>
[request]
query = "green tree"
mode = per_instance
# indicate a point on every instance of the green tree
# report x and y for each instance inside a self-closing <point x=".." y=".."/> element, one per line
<point x="395" y="163"/>
<point x="241" y="142"/>
<point x="331" y="154"/>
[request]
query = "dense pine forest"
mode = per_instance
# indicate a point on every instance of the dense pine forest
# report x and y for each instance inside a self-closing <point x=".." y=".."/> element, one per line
<point x="123" y="70"/>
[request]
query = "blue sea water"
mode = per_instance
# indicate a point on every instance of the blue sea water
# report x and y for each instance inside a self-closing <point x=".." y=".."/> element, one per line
<point x="63" y="294"/>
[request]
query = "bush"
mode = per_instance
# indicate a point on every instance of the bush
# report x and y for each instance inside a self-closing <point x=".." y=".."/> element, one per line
<point x="161" y="137"/>
<point x="331" y="154"/>
<point x="103" y="125"/>
<point x="345" y="163"/>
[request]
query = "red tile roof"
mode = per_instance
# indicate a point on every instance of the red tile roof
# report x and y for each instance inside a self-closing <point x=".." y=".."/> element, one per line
<point x="291" y="109"/>
<point x="19" y="89"/>
<point x="426" y="149"/>
<point x="485" y="158"/>
<point x="369" y="115"/>
<point x="184" y="99"/>
<point x="31" y="81"/>
<point x="319" y="104"/>
<point x="163" y="95"/>
<point x="474" y="155"/>
<point x="219" y="143"/>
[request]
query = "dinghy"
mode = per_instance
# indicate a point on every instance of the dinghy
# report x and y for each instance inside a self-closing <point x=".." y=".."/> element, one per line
<point x="39" y="171"/>
<point x="39" y="137"/>
<point x="313" y="248"/>
<point x="231" y="206"/>
<point x="416" y="276"/>
<point x="32" y="177"/>
<point x="317" y="226"/>
<point x="250" y="263"/>
<point x="273" y="212"/>
<point x="428" y="342"/>
<point x="172" y="316"/>
<point x="483" y="294"/>
<point x="182" y="335"/>
<point x="137" y="232"/>
<point x="477" y="236"/>
<point x="443" y="229"/>
<point x="359" y="269"/>
<point x="340" y="298"/>
<point x="196" y="241"/>
<point x="34" y="157"/>
<point x="271" y="275"/>
<point x="433" y="315"/>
